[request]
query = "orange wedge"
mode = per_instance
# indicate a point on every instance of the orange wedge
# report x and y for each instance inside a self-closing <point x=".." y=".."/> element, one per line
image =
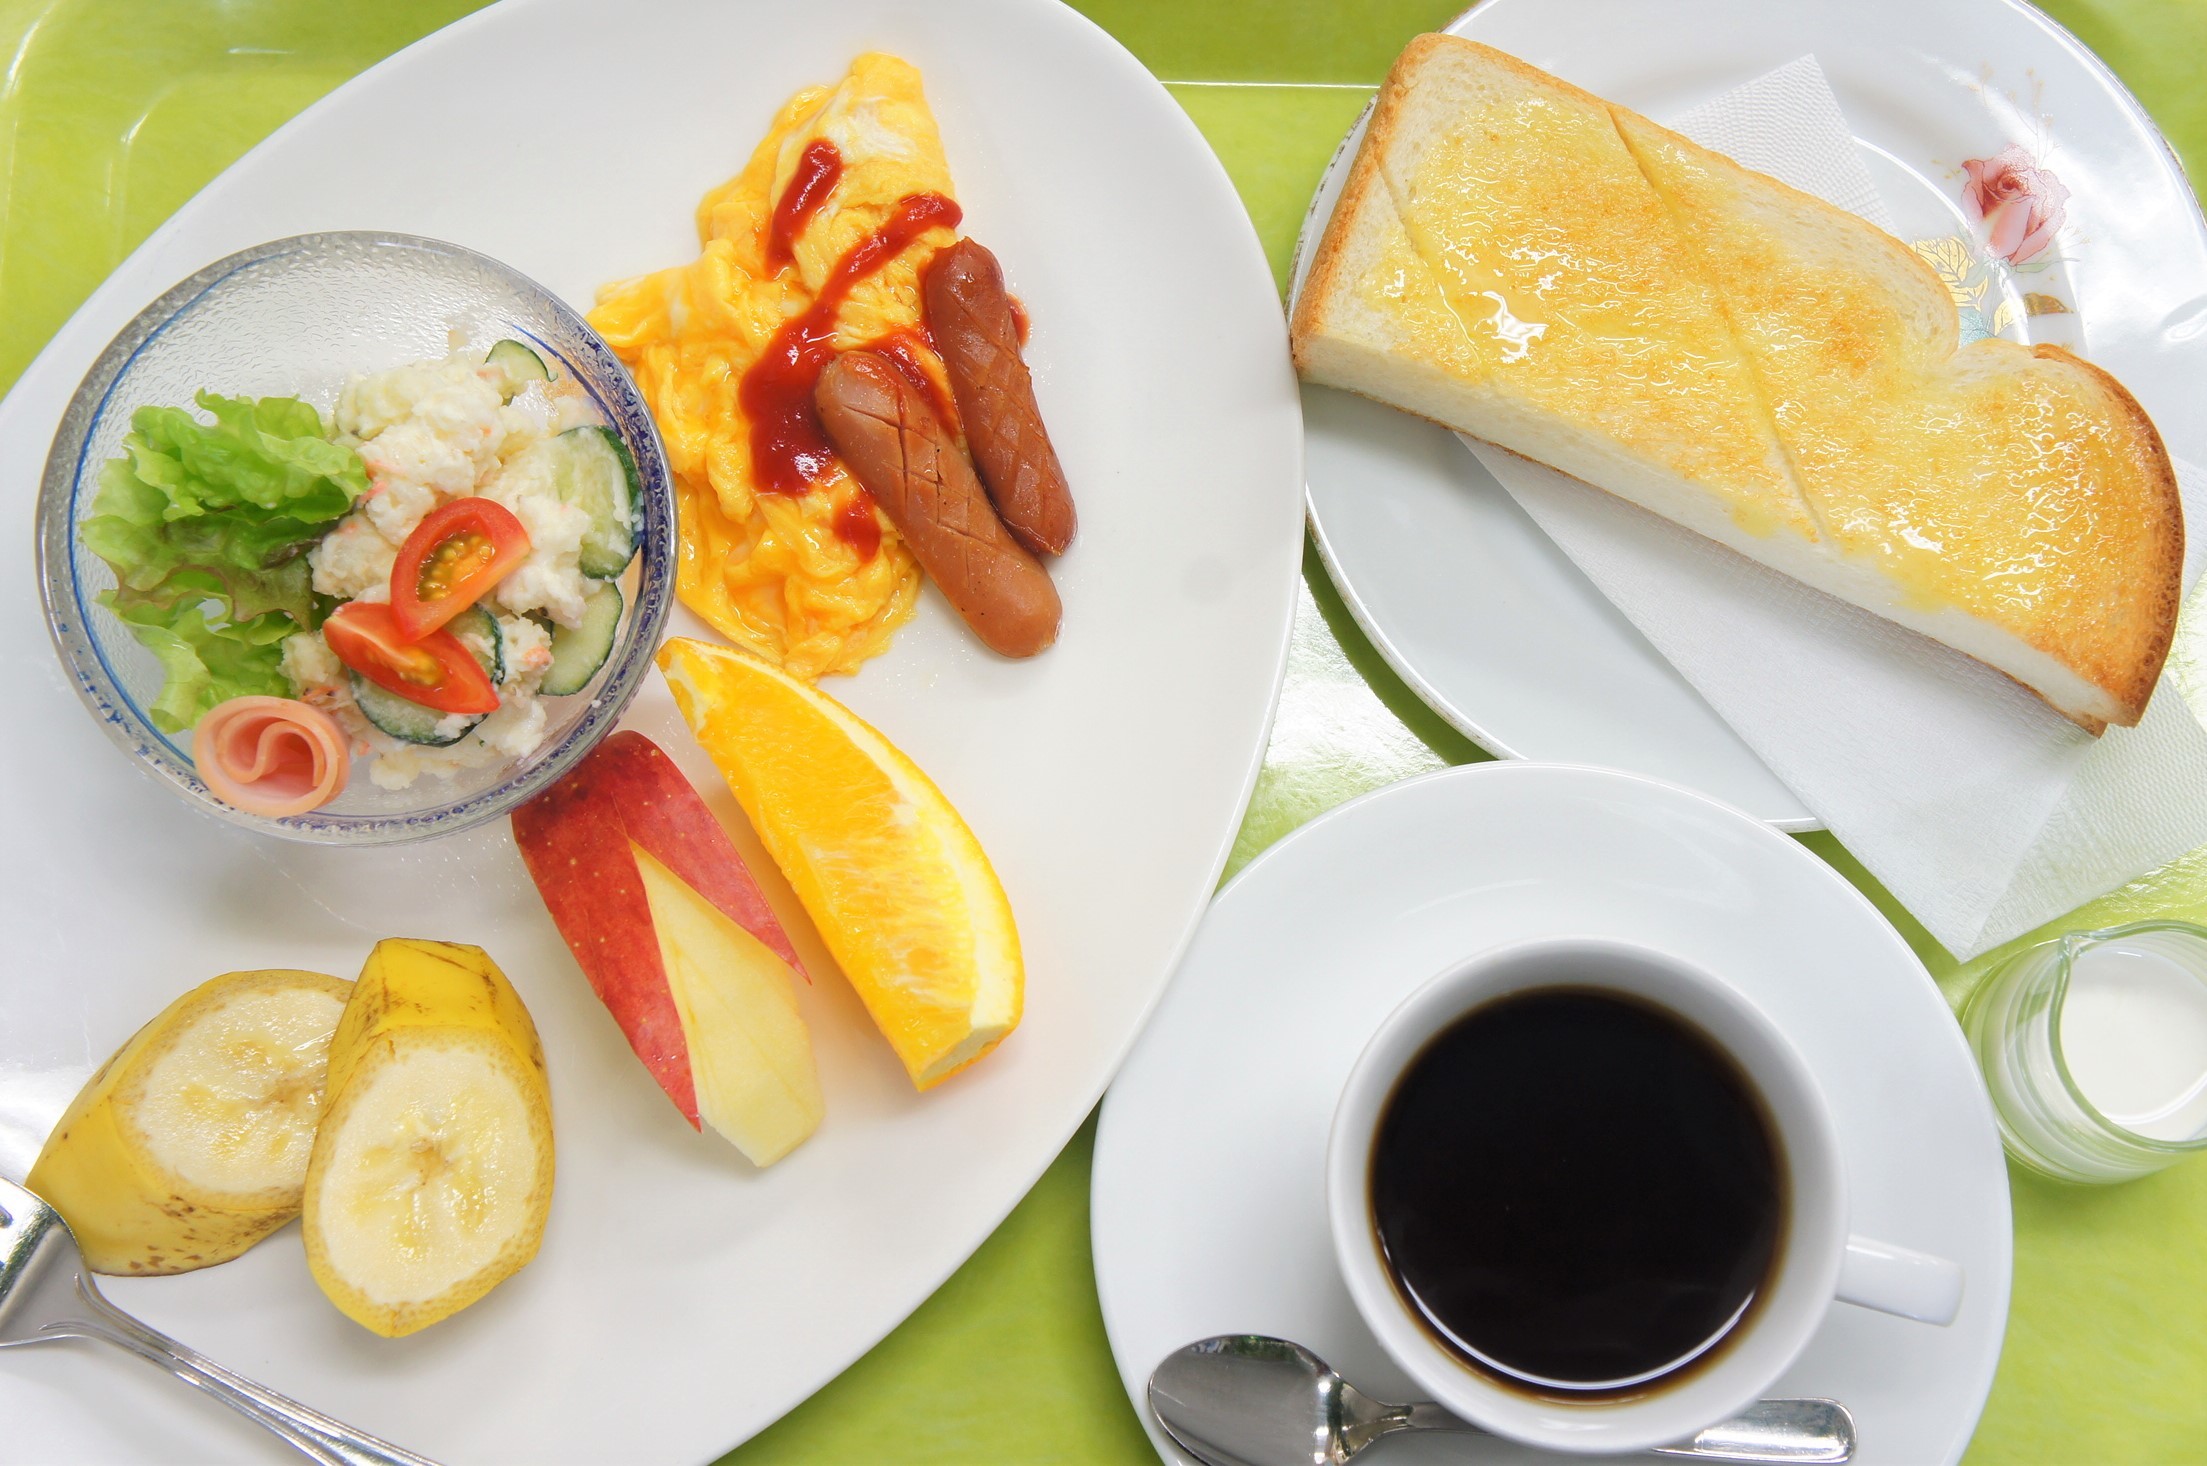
<point x="902" y="893"/>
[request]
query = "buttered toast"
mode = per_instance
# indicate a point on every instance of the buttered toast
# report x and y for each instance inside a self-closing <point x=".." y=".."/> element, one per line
<point x="1524" y="262"/>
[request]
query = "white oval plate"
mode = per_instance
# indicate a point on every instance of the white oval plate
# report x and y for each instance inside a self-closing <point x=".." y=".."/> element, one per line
<point x="683" y="1300"/>
<point x="1485" y="618"/>
<point x="1208" y="1205"/>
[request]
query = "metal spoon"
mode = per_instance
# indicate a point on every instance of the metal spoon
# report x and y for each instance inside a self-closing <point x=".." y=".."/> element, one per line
<point x="1250" y="1400"/>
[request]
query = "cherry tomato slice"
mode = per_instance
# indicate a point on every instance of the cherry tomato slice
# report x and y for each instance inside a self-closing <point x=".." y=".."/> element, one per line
<point x="436" y="671"/>
<point x="451" y="560"/>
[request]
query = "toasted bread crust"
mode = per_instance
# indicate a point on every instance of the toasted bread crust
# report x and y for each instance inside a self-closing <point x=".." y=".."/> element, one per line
<point x="1325" y="279"/>
<point x="2111" y="658"/>
<point x="1328" y="273"/>
<point x="2128" y="670"/>
<point x="2162" y="578"/>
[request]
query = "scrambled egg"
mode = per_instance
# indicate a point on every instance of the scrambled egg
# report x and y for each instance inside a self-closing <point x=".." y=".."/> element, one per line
<point x="815" y="580"/>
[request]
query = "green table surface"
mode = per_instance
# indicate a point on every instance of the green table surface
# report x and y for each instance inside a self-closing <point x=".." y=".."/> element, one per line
<point x="114" y="112"/>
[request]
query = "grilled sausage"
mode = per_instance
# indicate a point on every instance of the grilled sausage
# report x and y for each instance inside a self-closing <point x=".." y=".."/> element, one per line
<point x="970" y="316"/>
<point x="890" y="438"/>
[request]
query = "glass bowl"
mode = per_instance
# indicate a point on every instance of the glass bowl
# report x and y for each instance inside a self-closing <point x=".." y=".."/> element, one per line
<point x="297" y="317"/>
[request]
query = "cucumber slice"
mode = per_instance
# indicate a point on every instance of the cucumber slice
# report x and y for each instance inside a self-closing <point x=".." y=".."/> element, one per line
<point x="478" y="631"/>
<point x="409" y="721"/>
<point x="521" y="364"/>
<point x="594" y="471"/>
<point x="579" y="651"/>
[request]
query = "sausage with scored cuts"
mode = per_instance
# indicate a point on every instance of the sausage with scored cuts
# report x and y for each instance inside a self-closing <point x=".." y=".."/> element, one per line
<point x="891" y="439"/>
<point x="969" y="315"/>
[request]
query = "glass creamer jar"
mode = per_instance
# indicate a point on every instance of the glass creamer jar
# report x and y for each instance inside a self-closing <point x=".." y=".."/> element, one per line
<point x="2094" y="1047"/>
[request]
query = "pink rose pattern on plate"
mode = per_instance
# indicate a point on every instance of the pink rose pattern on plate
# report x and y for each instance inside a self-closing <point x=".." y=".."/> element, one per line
<point x="2020" y="208"/>
<point x="2019" y="203"/>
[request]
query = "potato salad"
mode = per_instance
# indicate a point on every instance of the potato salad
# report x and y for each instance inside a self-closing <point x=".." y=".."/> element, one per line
<point x="433" y="434"/>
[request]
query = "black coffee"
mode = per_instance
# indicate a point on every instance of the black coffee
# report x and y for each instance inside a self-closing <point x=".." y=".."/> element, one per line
<point x="1576" y="1186"/>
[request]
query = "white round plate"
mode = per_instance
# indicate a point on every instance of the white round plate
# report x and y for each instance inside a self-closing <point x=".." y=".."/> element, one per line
<point x="1482" y="614"/>
<point x="683" y="1299"/>
<point x="1208" y="1210"/>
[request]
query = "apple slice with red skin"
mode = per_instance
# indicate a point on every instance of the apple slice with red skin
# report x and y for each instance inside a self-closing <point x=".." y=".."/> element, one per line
<point x="575" y="839"/>
<point x="665" y="814"/>
<point x="750" y="1052"/>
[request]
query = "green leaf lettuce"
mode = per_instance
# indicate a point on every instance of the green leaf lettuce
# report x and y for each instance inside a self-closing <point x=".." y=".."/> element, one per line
<point x="208" y="663"/>
<point x="197" y="518"/>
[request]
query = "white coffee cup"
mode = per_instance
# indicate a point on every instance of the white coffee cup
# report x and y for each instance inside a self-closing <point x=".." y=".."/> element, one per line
<point x="1817" y="1258"/>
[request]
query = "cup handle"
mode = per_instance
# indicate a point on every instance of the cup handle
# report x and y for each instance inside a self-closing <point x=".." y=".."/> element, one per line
<point x="1900" y="1280"/>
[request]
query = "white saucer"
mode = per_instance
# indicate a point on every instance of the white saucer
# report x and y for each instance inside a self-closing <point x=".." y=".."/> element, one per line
<point x="1209" y="1210"/>
<point x="1477" y="609"/>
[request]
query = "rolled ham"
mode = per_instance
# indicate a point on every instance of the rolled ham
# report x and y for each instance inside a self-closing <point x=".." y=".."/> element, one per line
<point x="271" y="756"/>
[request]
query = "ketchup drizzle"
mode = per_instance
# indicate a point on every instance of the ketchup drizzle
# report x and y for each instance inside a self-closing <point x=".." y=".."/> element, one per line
<point x="856" y="526"/>
<point x="789" y="452"/>
<point x="818" y="169"/>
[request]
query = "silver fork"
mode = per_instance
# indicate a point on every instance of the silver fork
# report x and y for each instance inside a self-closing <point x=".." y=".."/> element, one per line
<point x="47" y="1294"/>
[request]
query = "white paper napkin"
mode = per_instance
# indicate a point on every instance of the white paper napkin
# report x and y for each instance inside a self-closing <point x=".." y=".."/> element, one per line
<point x="1984" y="811"/>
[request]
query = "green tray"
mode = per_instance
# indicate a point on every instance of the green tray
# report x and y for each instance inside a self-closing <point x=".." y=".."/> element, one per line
<point x="114" y="112"/>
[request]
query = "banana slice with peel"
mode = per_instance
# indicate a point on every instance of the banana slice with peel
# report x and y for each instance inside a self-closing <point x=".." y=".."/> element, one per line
<point x="191" y="1143"/>
<point x="431" y="1174"/>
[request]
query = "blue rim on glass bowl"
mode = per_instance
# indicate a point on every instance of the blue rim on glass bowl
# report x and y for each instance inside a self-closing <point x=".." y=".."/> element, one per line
<point x="296" y="317"/>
